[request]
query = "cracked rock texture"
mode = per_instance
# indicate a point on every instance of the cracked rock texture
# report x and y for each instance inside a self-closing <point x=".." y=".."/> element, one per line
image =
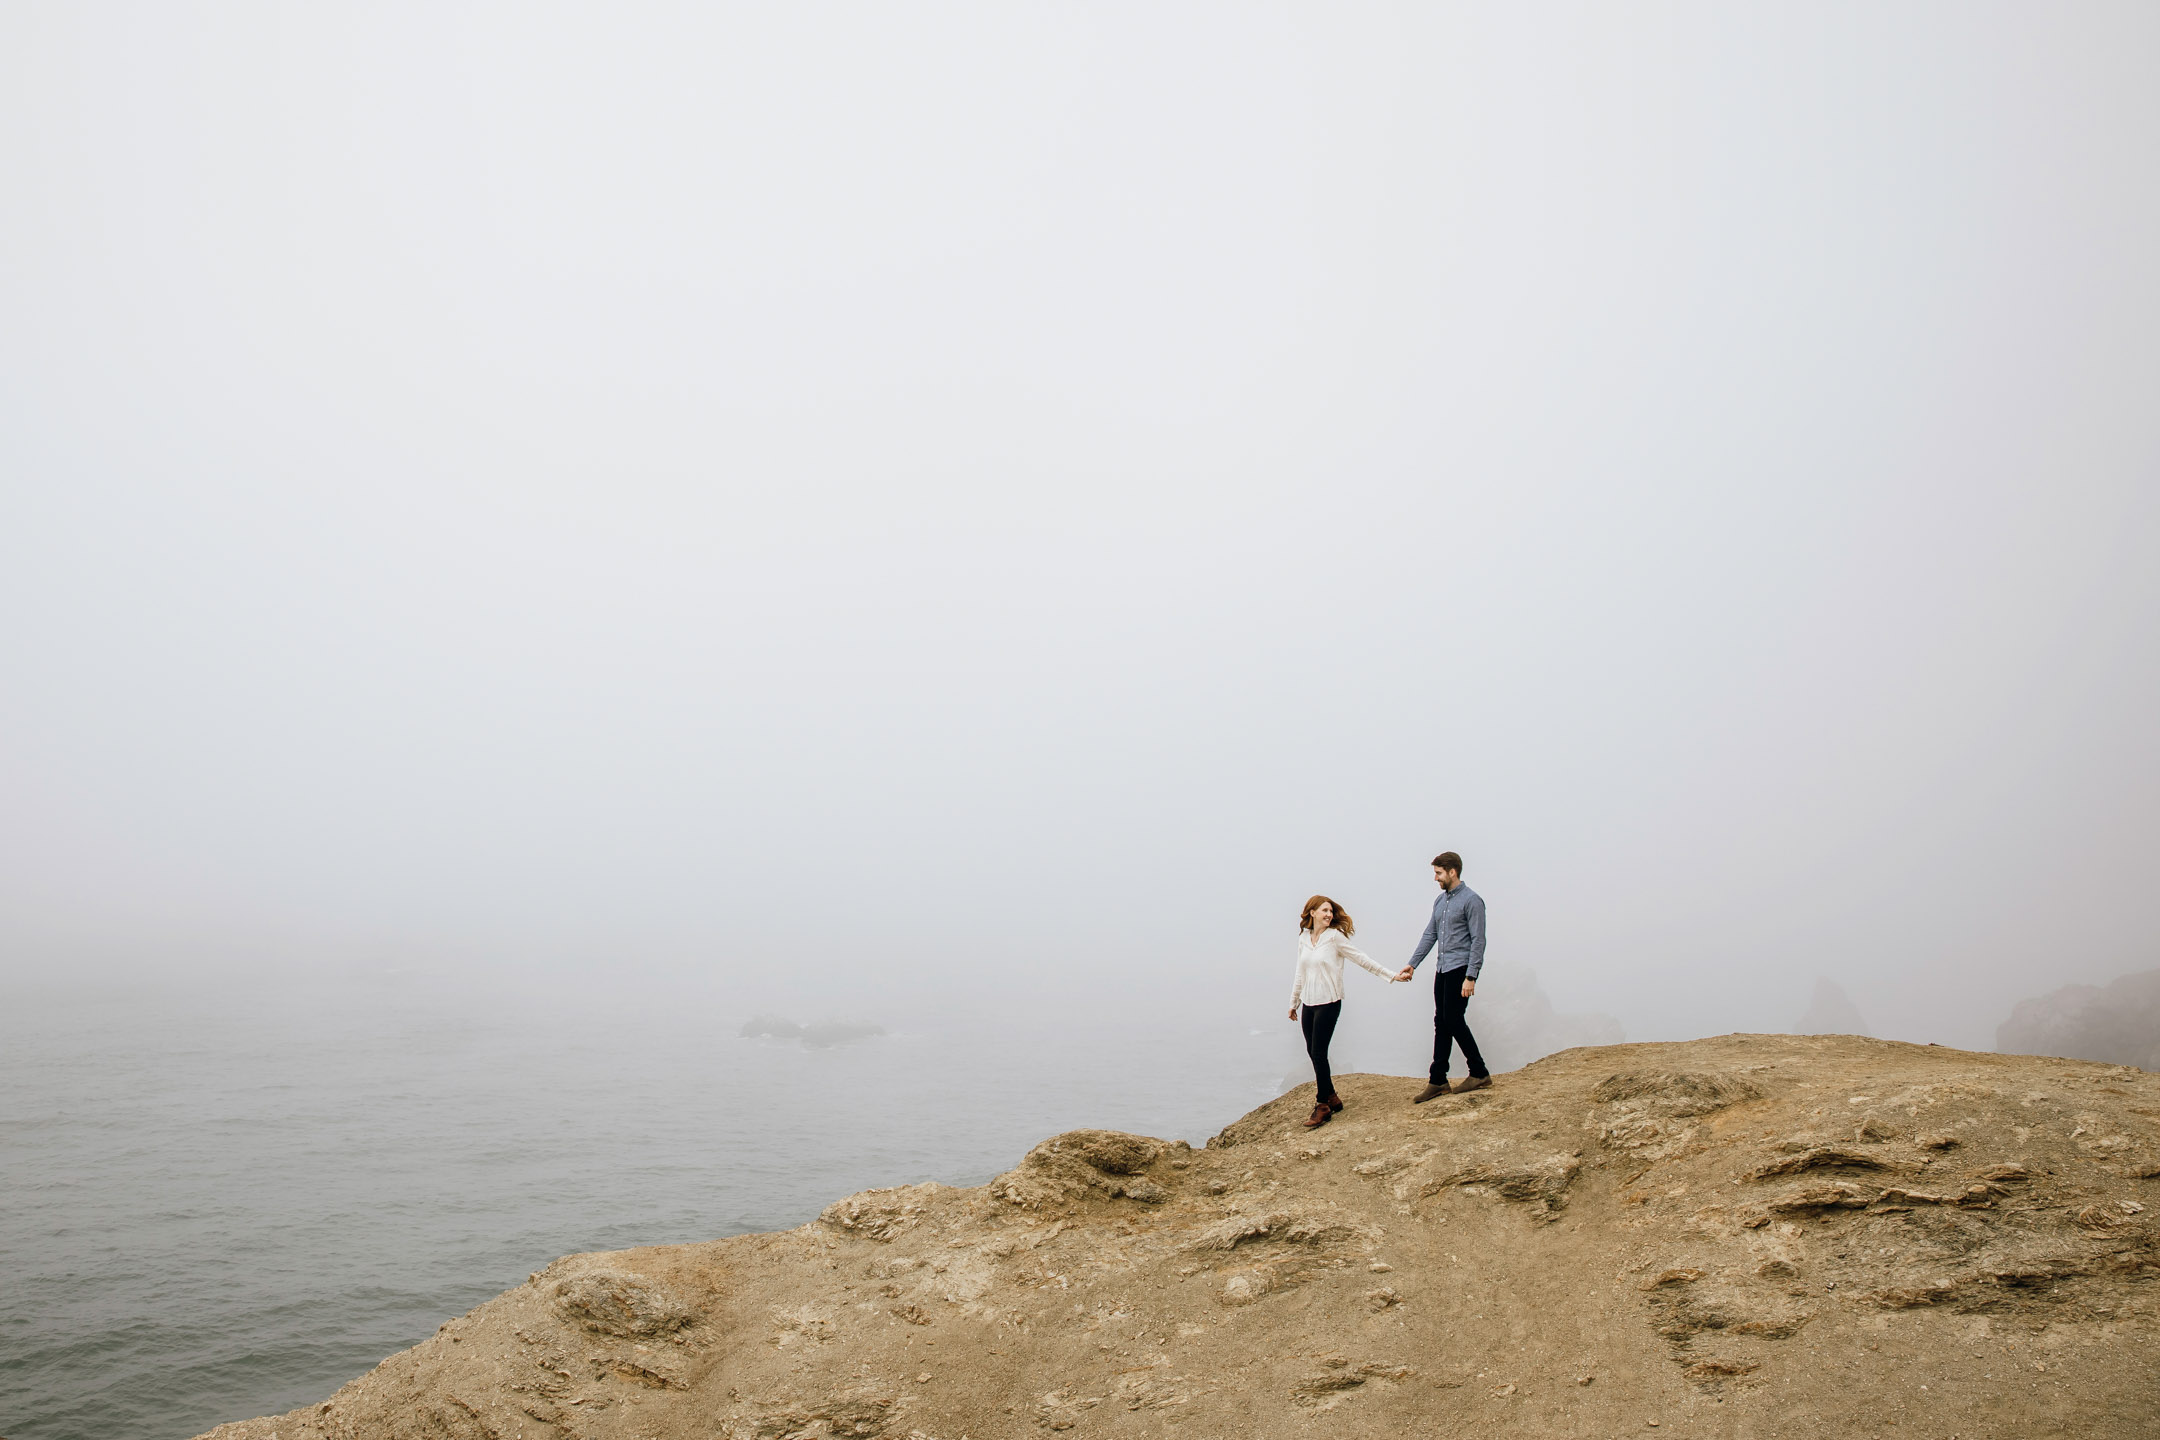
<point x="1748" y="1236"/>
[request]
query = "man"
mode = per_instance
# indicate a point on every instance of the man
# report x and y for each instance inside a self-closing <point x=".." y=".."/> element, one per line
<point x="1455" y="936"/>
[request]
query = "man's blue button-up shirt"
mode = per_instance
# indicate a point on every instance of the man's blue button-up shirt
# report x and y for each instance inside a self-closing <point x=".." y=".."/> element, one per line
<point x="1455" y="936"/>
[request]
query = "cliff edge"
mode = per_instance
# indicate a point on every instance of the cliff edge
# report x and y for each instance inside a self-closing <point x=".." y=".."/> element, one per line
<point x="1749" y="1236"/>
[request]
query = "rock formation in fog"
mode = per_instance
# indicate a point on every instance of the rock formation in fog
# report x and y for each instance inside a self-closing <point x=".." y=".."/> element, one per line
<point x="1752" y="1237"/>
<point x="817" y="1035"/>
<point x="1831" y="1012"/>
<point x="2119" y="1022"/>
<point x="1515" y="1022"/>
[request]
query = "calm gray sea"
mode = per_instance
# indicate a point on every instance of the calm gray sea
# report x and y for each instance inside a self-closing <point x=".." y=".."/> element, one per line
<point x="218" y="1207"/>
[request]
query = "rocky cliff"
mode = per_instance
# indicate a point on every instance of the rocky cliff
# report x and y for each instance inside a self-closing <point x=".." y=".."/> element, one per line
<point x="1750" y="1236"/>
<point x="2118" y="1022"/>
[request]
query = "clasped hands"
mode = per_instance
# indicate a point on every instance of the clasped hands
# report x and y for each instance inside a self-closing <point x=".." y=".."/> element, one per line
<point x="1469" y="986"/>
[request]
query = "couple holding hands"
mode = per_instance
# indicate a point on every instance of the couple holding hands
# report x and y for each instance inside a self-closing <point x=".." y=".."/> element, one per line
<point x="1454" y="937"/>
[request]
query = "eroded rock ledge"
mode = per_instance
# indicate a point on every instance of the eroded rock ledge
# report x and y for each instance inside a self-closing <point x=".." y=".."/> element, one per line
<point x="1749" y="1236"/>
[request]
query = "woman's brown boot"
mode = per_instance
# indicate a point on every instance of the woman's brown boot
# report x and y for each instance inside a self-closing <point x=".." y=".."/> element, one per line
<point x="1320" y="1115"/>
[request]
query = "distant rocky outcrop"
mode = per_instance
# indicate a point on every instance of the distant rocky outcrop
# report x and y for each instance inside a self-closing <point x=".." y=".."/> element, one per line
<point x="1831" y="1012"/>
<point x="817" y="1036"/>
<point x="1752" y="1237"/>
<point x="1515" y="1022"/>
<point x="2118" y="1022"/>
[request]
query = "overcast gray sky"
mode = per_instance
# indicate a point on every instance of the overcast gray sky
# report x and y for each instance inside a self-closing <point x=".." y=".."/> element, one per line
<point x="780" y="498"/>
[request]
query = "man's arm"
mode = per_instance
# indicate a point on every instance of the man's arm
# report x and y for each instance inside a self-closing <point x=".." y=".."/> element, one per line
<point x="1474" y="916"/>
<point x="1424" y="946"/>
<point x="1430" y="939"/>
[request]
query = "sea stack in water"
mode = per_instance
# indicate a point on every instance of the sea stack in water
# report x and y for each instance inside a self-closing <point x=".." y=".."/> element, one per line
<point x="1749" y="1236"/>
<point x="1831" y="1012"/>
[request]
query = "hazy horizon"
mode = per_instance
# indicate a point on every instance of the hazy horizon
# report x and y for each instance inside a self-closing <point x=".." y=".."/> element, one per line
<point x="858" y="510"/>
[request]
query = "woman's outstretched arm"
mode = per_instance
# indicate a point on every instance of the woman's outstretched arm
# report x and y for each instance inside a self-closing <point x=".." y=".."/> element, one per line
<point x="1351" y="952"/>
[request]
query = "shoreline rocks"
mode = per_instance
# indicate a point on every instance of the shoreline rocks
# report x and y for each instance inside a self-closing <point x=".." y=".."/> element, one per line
<point x="1759" y="1236"/>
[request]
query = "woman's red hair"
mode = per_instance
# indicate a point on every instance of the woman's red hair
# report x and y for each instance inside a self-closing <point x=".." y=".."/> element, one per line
<point x="1342" y="916"/>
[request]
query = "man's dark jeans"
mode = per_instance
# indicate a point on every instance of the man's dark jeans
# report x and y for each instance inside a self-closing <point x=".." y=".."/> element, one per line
<point x="1450" y="1026"/>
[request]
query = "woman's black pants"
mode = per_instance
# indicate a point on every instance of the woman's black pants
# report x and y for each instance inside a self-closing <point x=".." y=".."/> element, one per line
<point x="1319" y="1025"/>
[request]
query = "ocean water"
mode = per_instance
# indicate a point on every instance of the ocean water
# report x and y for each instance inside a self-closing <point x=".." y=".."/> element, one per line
<point x="213" y="1208"/>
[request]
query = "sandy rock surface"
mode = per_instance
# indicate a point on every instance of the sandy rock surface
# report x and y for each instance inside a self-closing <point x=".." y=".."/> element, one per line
<point x="1749" y="1236"/>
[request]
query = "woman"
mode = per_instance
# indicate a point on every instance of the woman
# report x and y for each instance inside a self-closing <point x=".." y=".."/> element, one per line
<point x="1323" y="944"/>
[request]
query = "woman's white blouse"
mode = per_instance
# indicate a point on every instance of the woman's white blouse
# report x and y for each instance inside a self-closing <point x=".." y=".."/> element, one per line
<point x="1319" y="967"/>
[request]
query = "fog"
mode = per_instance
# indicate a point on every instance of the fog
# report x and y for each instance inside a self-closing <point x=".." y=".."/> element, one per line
<point x="852" y="510"/>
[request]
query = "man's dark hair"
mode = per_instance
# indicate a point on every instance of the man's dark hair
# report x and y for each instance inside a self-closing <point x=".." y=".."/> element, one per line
<point x="1447" y="860"/>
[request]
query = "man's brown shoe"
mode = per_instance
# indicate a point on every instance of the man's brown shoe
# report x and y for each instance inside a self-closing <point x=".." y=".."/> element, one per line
<point x="1430" y="1092"/>
<point x="1320" y="1116"/>
<point x="1473" y="1082"/>
<point x="1334" y="1103"/>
